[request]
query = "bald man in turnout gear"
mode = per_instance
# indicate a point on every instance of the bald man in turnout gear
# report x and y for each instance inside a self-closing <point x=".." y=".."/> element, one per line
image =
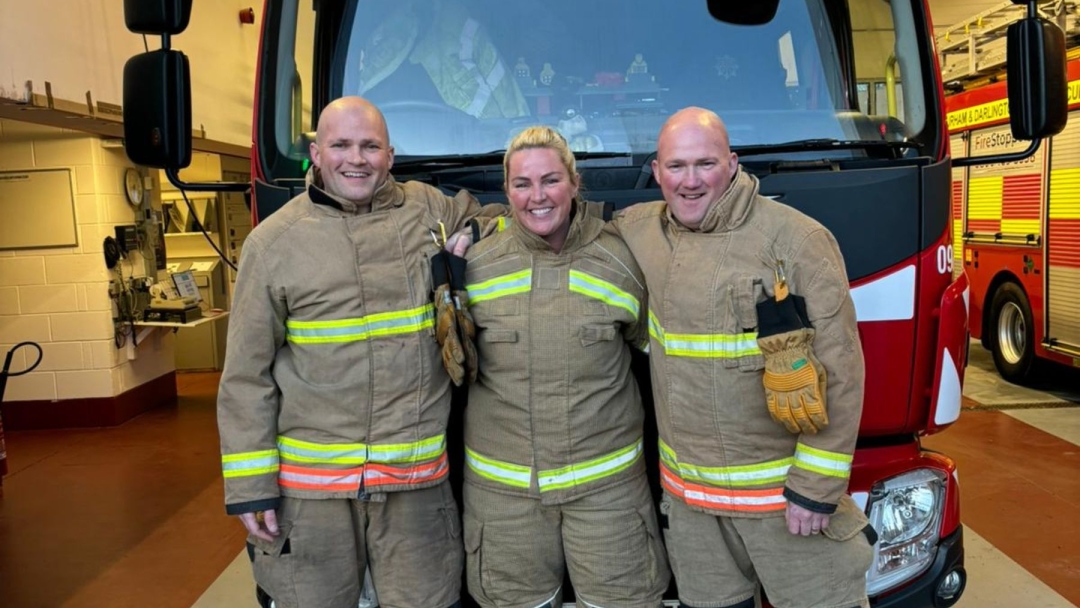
<point x="757" y="418"/>
<point x="334" y="400"/>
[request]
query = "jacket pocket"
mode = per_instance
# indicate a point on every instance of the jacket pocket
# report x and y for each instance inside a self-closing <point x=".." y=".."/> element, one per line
<point x="272" y="562"/>
<point x="737" y="316"/>
<point x="499" y="335"/>
<point x="425" y="287"/>
<point x="847" y="521"/>
<point x="596" y="332"/>
<point x="749" y="291"/>
<point x="474" y="557"/>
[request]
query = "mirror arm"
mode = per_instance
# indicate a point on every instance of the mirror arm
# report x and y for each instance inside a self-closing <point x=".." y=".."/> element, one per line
<point x="972" y="161"/>
<point x="174" y="177"/>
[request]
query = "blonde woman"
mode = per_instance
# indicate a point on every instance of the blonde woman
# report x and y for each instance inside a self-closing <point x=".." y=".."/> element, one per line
<point x="555" y="478"/>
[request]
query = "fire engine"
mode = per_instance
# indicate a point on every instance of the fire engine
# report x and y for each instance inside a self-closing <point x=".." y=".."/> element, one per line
<point x="801" y="85"/>
<point x="1016" y="225"/>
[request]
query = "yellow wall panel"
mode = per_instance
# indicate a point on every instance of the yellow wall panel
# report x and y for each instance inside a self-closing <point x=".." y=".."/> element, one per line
<point x="984" y="198"/>
<point x="1065" y="194"/>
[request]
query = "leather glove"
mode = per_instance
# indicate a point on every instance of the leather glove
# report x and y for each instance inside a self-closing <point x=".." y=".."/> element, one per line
<point x="794" y="381"/>
<point x="466" y="327"/>
<point x="446" y="327"/>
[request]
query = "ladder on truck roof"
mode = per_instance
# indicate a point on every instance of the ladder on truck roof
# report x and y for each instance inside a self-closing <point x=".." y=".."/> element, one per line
<point x="975" y="47"/>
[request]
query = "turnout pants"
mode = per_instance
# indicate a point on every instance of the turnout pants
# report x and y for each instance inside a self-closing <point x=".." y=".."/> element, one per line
<point x="517" y="550"/>
<point x="718" y="561"/>
<point x="411" y="541"/>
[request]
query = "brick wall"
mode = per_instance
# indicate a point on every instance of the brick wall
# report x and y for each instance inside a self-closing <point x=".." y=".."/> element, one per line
<point x="59" y="297"/>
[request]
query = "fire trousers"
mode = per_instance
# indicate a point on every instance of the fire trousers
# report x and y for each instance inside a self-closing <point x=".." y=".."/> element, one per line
<point x="410" y="540"/>
<point x="517" y="549"/>
<point x="719" y="561"/>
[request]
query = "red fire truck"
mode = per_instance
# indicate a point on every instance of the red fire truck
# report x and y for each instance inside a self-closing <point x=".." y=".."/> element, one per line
<point x="1016" y="225"/>
<point x="457" y="79"/>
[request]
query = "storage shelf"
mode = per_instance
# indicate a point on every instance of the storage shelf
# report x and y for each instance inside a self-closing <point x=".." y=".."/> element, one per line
<point x="206" y="319"/>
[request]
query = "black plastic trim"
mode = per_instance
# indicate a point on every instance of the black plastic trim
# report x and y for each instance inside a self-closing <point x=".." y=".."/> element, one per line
<point x="922" y="592"/>
<point x="936" y="202"/>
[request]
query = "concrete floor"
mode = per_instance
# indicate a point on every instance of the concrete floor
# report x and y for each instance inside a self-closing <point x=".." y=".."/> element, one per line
<point x="132" y="516"/>
<point x="995" y="579"/>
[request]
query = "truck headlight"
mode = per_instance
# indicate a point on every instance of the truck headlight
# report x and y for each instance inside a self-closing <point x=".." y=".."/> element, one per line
<point x="906" y="512"/>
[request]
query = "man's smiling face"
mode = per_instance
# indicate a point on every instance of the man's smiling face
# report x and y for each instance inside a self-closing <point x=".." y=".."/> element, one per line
<point x="352" y="151"/>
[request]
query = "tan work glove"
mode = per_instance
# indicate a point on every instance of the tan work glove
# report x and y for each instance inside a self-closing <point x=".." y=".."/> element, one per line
<point x="448" y="336"/>
<point x="468" y="334"/>
<point x="454" y="327"/>
<point x="794" y="381"/>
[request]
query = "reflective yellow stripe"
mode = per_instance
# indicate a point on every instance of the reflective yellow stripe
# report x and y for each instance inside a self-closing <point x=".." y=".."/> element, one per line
<point x="362" y="328"/>
<point x="590" y="470"/>
<point x="248" y="464"/>
<point x="763" y="473"/>
<point x="713" y="346"/>
<point x="832" y="464"/>
<point x="408" y="453"/>
<point x="498" y="287"/>
<point x="294" y="450"/>
<point x="503" y="472"/>
<point x="604" y="291"/>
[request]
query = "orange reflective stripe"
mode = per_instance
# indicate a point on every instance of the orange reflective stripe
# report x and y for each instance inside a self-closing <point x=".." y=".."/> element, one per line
<point x="348" y="480"/>
<point x="326" y="480"/>
<point x="382" y="475"/>
<point x="749" y="501"/>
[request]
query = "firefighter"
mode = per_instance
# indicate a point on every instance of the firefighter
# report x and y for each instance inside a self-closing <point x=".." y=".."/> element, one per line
<point x="333" y="402"/>
<point x="555" y="478"/>
<point x="757" y="411"/>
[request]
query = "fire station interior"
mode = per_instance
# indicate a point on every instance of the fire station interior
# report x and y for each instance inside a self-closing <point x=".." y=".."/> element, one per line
<point x="116" y="288"/>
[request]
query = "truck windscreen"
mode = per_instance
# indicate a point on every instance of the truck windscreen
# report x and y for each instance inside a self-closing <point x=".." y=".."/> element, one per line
<point x="462" y="77"/>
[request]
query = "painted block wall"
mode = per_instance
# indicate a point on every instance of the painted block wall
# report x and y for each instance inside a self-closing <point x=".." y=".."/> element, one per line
<point x="59" y="297"/>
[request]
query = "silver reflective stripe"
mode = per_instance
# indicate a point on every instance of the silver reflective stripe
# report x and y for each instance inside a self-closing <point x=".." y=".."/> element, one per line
<point x="518" y="282"/>
<point x="503" y="472"/>
<point x="346" y="478"/>
<point x="832" y="464"/>
<point x="591" y="470"/>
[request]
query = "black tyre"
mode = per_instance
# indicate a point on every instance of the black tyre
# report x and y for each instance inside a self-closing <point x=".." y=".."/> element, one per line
<point x="1012" y="334"/>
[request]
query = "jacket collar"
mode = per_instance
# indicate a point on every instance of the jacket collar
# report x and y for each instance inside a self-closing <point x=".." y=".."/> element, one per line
<point x="582" y="231"/>
<point x="731" y="209"/>
<point x="388" y="195"/>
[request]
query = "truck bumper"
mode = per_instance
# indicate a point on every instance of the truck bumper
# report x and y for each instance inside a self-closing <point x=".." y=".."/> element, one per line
<point x="925" y="591"/>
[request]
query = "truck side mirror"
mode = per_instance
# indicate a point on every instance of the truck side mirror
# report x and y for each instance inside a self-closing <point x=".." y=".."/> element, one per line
<point x="758" y="12"/>
<point x="157" y="16"/>
<point x="1037" y="79"/>
<point x="157" y="109"/>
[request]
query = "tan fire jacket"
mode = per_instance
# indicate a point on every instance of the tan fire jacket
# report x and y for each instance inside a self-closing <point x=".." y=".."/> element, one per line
<point x="720" y="451"/>
<point x="555" y="412"/>
<point x="333" y="382"/>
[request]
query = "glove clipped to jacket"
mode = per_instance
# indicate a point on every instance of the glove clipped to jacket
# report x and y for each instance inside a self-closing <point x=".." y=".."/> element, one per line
<point x="454" y="327"/>
<point x="795" y="381"/>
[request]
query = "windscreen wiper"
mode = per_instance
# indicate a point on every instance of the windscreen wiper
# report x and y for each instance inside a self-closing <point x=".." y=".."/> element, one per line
<point x="808" y="145"/>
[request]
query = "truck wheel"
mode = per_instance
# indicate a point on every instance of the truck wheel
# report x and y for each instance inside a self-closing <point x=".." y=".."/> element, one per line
<point x="1012" y="333"/>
